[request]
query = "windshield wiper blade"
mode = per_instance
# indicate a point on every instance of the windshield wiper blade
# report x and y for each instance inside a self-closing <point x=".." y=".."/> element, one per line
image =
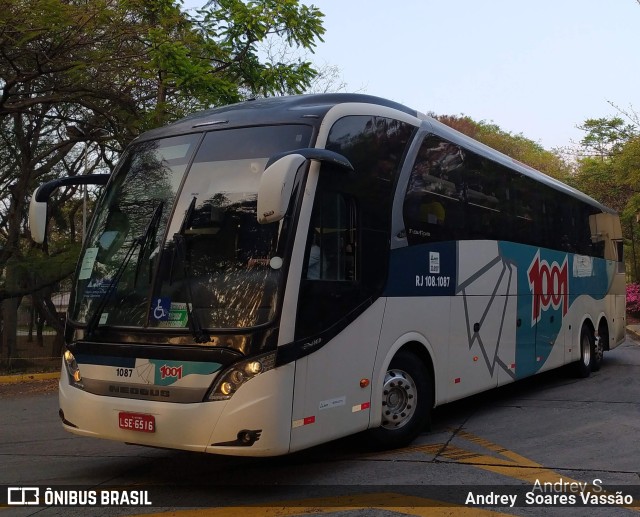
<point x="199" y="334"/>
<point x="94" y="320"/>
<point x="187" y="216"/>
<point x="151" y="226"/>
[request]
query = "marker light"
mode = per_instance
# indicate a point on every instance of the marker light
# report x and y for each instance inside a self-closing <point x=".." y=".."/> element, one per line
<point x="237" y="377"/>
<point x="254" y="368"/>
<point x="226" y="388"/>
<point x="72" y="367"/>
<point x="230" y="380"/>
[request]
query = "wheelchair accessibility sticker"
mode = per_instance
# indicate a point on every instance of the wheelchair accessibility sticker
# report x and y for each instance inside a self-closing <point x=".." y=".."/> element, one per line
<point x="160" y="309"/>
<point x="169" y="314"/>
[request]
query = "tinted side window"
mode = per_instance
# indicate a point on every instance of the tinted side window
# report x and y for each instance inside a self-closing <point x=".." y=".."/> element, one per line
<point x="434" y="207"/>
<point x="330" y="286"/>
<point x="332" y="239"/>
<point x="348" y="239"/>
<point x="375" y="146"/>
<point x="455" y="194"/>
<point x="486" y="194"/>
<point x="526" y="213"/>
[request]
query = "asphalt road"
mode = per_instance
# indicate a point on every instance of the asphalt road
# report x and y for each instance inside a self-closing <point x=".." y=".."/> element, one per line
<point x="511" y="441"/>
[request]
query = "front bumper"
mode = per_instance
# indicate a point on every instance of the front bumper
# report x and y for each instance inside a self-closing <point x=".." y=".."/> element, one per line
<point x="262" y="406"/>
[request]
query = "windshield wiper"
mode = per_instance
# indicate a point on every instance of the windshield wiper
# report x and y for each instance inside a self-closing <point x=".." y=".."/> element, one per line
<point x="151" y="227"/>
<point x="199" y="334"/>
<point x="141" y="241"/>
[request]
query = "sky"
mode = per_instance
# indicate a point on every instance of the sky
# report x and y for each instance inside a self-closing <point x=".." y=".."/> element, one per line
<point x="539" y="68"/>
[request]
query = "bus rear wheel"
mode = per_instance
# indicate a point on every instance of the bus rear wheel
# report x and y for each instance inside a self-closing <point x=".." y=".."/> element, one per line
<point x="598" y="353"/>
<point x="407" y="399"/>
<point x="587" y="352"/>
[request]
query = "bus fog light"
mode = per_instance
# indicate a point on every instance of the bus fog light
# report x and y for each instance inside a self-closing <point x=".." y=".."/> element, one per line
<point x="230" y="380"/>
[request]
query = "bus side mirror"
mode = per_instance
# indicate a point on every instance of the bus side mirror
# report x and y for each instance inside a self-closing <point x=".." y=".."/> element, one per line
<point x="40" y="199"/>
<point x="276" y="183"/>
<point x="276" y="186"/>
<point x="37" y="218"/>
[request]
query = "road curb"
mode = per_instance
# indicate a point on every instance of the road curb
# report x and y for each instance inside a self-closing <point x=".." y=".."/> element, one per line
<point x="26" y="377"/>
<point x="634" y="332"/>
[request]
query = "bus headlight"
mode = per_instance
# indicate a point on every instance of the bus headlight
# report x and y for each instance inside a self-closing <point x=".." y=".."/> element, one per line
<point x="72" y="367"/>
<point x="237" y="374"/>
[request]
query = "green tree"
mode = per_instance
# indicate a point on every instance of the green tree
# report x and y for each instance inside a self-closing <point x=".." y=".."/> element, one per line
<point x="626" y="168"/>
<point x="605" y="136"/>
<point x="122" y="66"/>
<point x="607" y="171"/>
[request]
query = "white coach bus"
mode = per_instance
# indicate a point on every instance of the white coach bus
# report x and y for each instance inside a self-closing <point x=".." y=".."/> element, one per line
<point x="264" y="277"/>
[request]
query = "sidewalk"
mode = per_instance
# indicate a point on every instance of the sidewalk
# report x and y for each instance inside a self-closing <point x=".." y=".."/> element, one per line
<point x="633" y="331"/>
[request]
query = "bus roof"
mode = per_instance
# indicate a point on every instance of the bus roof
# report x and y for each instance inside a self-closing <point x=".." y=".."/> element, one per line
<point x="297" y="108"/>
<point x="271" y="110"/>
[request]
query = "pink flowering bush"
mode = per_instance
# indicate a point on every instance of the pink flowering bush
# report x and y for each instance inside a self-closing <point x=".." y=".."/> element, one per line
<point x="633" y="298"/>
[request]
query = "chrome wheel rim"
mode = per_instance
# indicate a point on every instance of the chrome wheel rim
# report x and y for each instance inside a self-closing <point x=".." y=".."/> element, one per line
<point x="399" y="399"/>
<point x="586" y="350"/>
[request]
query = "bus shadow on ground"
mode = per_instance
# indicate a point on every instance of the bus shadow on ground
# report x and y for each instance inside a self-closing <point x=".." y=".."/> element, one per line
<point x="530" y="387"/>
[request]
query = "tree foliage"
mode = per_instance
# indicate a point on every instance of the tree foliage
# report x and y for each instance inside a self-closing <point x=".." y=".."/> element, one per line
<point x="608" y="170"/>
<point x="605" y="136"/>
<point x="80" y="78"/>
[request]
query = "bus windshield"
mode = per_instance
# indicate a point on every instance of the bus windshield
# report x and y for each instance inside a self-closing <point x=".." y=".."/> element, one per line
<point x="175" y="239"/>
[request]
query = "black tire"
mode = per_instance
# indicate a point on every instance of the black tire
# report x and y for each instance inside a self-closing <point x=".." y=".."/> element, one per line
<point x="587" y="352"/>
<point x="407" y="401"/>
<point x="598" y="353"/>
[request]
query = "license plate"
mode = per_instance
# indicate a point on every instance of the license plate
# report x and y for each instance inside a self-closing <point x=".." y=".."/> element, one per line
<point x="137" y="422"/>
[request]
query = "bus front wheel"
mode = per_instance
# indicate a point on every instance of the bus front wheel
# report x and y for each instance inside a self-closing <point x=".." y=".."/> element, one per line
<point x="407" y="399"/>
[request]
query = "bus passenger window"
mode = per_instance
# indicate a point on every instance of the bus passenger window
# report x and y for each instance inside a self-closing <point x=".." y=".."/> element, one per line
<point x="433" y="208"/>
<point x="315" y="269"/>
<point x="331" y="244"/>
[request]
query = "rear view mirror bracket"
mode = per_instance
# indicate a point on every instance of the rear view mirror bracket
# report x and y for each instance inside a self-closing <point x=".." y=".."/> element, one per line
<point x="38" y="213"/>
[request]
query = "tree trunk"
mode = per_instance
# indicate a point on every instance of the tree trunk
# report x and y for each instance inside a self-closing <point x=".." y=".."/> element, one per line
<point x="10" y="311"/>
<point x="40" y="321"/>
<point x="32" y="318"/>
<point x="56" y="347"/>
<point x="48" y="309"/>
<point x="10" y="326"/>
